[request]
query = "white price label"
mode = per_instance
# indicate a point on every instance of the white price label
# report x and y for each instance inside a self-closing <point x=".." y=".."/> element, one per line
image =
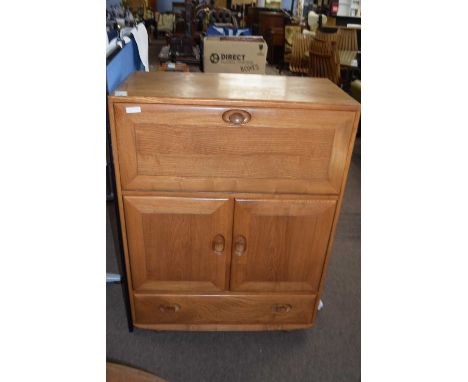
<point x="133" y="109"/>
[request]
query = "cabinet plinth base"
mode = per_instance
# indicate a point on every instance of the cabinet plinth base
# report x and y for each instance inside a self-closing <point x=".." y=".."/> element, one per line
<point x="223" y="328"/>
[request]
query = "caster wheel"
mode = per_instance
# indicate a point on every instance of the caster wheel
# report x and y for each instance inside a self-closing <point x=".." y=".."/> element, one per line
<point x="320" y="305"/>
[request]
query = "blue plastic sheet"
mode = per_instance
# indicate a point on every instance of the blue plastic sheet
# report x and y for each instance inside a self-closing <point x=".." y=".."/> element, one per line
<point x="122" y="65"/>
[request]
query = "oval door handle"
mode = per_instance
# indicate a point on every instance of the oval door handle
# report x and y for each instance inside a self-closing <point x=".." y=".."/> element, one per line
<point x="218" y="244"/>
<point x="169" y="308"/>
<point x="240" y="245"/>
<point x="236" y="117"/>
<point x="282" y="308"/>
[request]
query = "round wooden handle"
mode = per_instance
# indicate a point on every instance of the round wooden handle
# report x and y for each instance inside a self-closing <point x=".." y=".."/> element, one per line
<point x="218" y="244"/>
<point x="236" y="117"/>
<point x="282" y="308"/>
<point x="169" y="308"/>
<point x="240" y="245"/>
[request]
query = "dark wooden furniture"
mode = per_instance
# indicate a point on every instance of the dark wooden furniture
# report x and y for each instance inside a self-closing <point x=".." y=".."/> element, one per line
<point x="271" y="27"/>
<point x="252" y="18"/>
<point x="229" y="189"/>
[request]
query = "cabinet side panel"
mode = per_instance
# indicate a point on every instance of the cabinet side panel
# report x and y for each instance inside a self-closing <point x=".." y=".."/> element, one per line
<point x="338" y="208"/>
<point x="119" y="198"/>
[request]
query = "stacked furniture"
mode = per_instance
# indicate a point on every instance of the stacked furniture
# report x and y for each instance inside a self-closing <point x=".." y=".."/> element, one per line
<point x="271" y="27"/>
<point x="229" y="190"/>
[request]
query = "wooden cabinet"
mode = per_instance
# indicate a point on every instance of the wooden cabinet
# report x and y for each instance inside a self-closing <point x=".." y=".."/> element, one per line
<point x="229" y="188"/>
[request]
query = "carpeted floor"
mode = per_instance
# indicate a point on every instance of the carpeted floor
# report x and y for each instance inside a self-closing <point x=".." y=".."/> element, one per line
<point x="328" y="352"/>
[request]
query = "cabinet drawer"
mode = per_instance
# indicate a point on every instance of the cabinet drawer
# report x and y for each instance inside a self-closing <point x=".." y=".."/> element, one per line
<point x="224" y="309"/>
<point x="189" y="148"/>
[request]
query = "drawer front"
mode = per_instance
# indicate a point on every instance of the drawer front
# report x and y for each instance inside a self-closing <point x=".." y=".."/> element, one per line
<point x="224" y="309"/>
<point x="185" y="148"/>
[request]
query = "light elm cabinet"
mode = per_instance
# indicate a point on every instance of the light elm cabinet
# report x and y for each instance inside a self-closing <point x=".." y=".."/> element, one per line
<point x="229" y="190"/>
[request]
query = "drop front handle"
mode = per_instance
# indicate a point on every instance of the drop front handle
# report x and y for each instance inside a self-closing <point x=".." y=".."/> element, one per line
<point x="236" y="117"/>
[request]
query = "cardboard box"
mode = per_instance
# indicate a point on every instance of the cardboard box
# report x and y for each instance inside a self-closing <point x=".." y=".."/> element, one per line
<point x="228" y="54"/>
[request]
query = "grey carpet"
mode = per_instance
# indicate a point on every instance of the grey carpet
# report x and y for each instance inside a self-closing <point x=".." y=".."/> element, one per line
<point x="328" y="352"/>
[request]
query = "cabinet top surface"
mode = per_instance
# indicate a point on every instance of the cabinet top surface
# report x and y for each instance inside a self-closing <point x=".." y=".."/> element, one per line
<point x="249" y="88"/>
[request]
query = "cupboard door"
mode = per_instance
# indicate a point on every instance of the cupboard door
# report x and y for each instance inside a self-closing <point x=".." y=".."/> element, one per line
<point x="179" y="244"/>
<point x="280" y="245"/>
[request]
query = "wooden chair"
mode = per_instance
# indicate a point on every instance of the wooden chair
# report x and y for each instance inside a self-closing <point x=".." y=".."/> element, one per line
<point x="222" y="16"/>
<point x="289" y="32"/>
<point x="299" y="61"/>
<point x="327" y="34"/>
<point x="347" y="39"/>
<point x="324" y="61"/>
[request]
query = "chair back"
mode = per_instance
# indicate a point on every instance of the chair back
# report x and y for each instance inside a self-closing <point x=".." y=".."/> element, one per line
<point x="299" y="61"/>
<point x="347" y="39"/>
<point x="327" y="34"/>
<point x="289" y="32"/>
<point x="222" y="16"/>
<point x="324" y="60"/>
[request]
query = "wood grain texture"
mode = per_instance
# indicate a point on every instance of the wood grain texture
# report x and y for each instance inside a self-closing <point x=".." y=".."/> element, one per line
<point x="227" y="195"/>
<point x="171" y="243"/>
<point x="224" y="327"/>
<point x="224" y="309"/>
<point x="286" y="243"/>
<point x="234" y="89"/>
<point x="194" y="149"/>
